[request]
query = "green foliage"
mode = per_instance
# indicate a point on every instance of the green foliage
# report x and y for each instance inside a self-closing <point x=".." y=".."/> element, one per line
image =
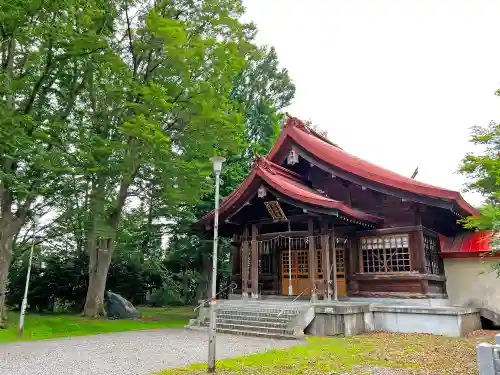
<point x="262" y="90"/>
<point x="483" y="170"/>
<point x="58" y="282"/>
<point x="106" y="105"/>
<point x="46" y="49"/>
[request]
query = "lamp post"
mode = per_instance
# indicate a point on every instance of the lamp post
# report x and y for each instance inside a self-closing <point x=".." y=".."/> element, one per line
<point x="217" y="163"/>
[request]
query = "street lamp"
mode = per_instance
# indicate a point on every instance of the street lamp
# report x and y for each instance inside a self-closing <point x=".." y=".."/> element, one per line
<point x="217" y="163"/>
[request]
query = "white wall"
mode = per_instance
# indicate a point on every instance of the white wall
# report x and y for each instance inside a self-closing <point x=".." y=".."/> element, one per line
<point x="472" y="282"/>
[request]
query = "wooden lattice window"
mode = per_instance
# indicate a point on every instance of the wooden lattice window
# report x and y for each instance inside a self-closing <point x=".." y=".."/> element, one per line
<point x="386" y="254"/>
<point x="339" y="256"/>
<point x="285" y="263"/>
<point x="303" y="262"/>
<point x="433" y="262"/>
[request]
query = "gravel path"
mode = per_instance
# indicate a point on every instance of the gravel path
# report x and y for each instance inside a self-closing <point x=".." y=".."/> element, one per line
<point x="125" y="353"/>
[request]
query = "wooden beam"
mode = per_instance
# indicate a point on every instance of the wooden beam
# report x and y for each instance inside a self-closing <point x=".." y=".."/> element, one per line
<point x="292" y="218"/>
<point x="296" y="233"/>
<point x="385" y="231"/>
<point x="312" y="210"/>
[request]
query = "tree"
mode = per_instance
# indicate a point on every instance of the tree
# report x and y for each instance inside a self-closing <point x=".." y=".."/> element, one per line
<point x="483" y="171"/>
<point x="46" y="49"/>
<point x="261" y="91"/>
<point x="155" y="105"/>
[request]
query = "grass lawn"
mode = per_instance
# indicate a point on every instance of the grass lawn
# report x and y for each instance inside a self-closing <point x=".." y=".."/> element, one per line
<point x="47" y="326"/>
<point x="378" y="352"/>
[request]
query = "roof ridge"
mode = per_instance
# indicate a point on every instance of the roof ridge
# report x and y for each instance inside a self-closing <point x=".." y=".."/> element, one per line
<point x="299" y="124"/>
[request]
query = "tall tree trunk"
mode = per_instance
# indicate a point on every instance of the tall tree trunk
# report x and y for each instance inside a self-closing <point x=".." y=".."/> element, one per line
<point x="206" y="276"/>
<point x="101" y="249"/>
<point x="5" y="260"/>
<point x="100" y="252"/>
<point x="185" y="286"/>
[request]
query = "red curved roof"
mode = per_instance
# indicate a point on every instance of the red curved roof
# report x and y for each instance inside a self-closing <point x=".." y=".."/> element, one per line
<point x="286" y="183"/>
<point x="466" y="245"/>
<point x="331" y="154"/>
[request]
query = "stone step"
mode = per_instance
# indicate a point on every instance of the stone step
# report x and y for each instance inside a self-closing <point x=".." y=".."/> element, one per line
<point x="248" y="328"/>
<point x="256" y="334"/>
<point x="254" y="323"/>
<point x="261" y="307"/>
<point x="256" y="318"/>
<point x="270" y="310"/>
<point x="277" y="314"/>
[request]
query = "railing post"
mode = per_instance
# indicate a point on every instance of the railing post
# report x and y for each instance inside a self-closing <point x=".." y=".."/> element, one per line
<point x="485" y="362"/>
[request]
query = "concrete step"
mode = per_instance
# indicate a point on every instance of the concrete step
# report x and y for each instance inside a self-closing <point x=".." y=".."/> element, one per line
<point x="256" y="334"/>
<point x="260" y="318"/>
<point x="277" y="314"/>
<point x="250" y="328"/>
<point x="256" y="318"/>
<point x="268" y="309"/>
<point x="253" y="323"/>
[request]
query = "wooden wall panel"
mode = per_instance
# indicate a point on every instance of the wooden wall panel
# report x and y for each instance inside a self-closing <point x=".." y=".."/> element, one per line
<point x="390" y="286"/>
<point x="394" y="210"/>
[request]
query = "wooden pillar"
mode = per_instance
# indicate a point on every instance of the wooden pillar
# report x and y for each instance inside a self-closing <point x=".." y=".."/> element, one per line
<point x="244" y="265"/>
<point x="277" y="272"/>
<point x="417" y="252"/>
<point x="326" y="261"/>
<point x="255" y="263"/>
<point x="235" y="260"/>
<point x="312" y="259"/>
<point x="417" y="257"/>
<point x="352" y="254"/>
<point x="334" y="255"/>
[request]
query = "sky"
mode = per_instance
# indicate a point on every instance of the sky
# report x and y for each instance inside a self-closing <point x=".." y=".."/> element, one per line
<point x="396" y="82"/>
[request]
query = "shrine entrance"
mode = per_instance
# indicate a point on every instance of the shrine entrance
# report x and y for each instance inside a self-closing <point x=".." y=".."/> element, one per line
<point x="295" y="271"/>
<point x="340" y="265"/>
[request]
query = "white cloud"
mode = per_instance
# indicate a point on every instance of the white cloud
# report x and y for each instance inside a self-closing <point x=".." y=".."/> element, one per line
<point x="398" y="83"/>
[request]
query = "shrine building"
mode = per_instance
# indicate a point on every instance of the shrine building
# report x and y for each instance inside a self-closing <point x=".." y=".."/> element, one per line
<point x="313" y="220"/>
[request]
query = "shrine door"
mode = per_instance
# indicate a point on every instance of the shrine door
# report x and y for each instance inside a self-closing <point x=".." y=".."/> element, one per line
<point x="295" y="270"/>
<point x="340" y="262"/>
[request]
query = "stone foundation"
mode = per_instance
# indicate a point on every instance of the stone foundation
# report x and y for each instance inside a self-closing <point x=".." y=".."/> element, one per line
<point x="350" y="319"/>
